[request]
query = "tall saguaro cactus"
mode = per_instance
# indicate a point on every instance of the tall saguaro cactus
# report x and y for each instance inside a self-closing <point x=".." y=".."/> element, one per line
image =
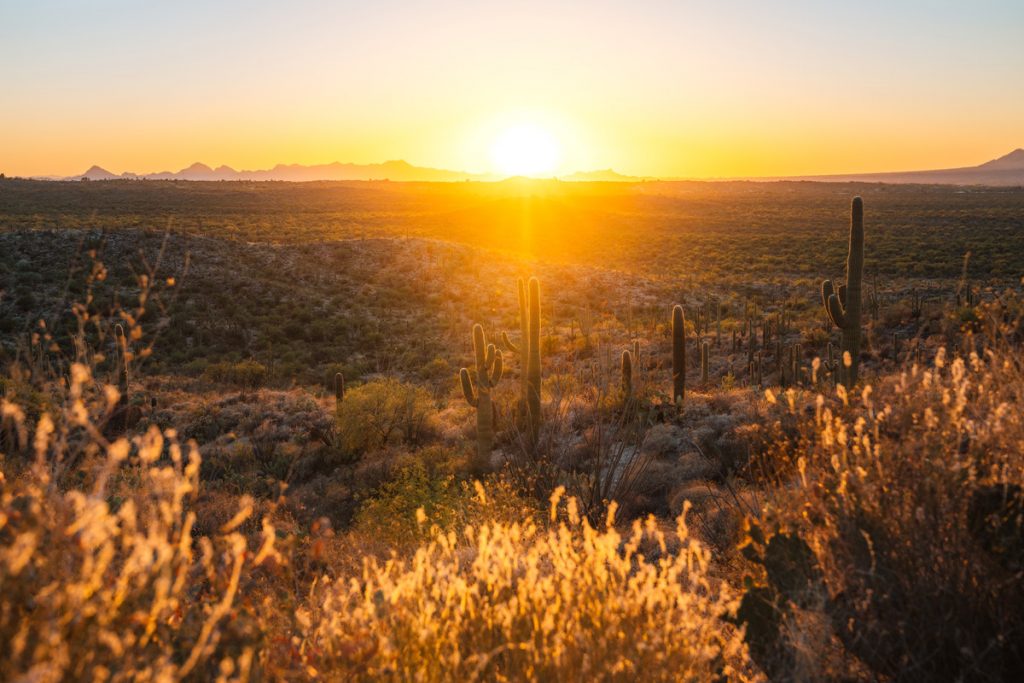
<point x="522" y="349"/>
<point x="528" y="350"/>
<point x="478" y="394"/>
<point x="678" y="355"/>
<point x="533" y="361"/>
<point x="843" y="303"/>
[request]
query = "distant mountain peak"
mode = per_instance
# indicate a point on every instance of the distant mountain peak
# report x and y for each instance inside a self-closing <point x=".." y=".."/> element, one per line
<point x="199" y="167"/>
<point x="1014" y="161"/>
<point x="606" y="175"/>
<point x="97" y="173"/>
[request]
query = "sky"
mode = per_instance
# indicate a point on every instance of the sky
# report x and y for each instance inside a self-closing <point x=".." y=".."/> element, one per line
<point x="726" y="88"/>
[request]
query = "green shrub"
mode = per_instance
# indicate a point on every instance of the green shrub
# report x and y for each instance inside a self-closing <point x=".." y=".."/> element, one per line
<point x="247" y="373"/>
<point x="390" y="516"/>
<point x="383" y="412"/>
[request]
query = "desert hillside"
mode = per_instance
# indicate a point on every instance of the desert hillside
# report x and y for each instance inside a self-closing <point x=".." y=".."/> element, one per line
<point x="510" y="431"/>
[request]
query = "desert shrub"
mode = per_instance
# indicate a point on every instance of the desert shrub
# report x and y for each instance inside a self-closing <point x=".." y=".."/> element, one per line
<point x="908" y="497"/>
<point x="249" y="374"/>
<point x="517" y="601"/>
<point x="438" y="373"/>
<point x="350" y="371"/>
<point x="383" y="412"/>
<point x="390" y="516"/>
<point x="103" y="580"/>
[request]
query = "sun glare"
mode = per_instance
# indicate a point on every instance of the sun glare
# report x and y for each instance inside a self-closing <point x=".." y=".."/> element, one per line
<point x="526" y="149"/>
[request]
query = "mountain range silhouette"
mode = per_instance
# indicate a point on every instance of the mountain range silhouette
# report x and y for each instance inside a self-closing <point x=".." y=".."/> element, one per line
<point x="1006" y="170"/>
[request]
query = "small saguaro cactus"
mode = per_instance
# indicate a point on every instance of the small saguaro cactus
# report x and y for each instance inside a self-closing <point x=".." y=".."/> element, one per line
<point x="843" y="303"/>
<point x="791" y="375"/>
<point x="916" y="303"/>
<point x="798" y="365"/>
<point x="751" y="340"/>
<point x="122" y="364"/>
<point x="478" y="394"/>
<point x="874" y="300"/>
<point x="678" y="355"/>
<point x="339" y="391"/>
<point x="627" y="375"/>
<point x="756" y="370"/>
<point x="630" y="364"/>
<point x="705" y="353"/>
<point x="718" y="323"/>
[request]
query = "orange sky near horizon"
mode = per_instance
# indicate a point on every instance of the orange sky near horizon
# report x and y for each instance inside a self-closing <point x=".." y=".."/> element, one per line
<point x="655" y="88"/>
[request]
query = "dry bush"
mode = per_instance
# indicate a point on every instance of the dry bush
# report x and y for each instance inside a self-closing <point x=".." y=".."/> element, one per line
<point x="388" y="519"/>
<point x="383" y="412"/>
<point x="909" y="496"/>
<point x="520" y="602"/>
<point x="104" y="580"/>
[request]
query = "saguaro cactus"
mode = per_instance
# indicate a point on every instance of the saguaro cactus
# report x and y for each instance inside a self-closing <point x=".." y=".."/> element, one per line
<point x="718" y="323"/>
<point x="533" y="361"/>
<point x="843" y="303"/>
<point x="627" y="375"/>
<point x="630" y="360"/>
<point x="756" y="370"/>
<point x="488" y="372"/>
<point x="798" y="364"/>
<point x="339" y="391"/>
<point x="678" y="355"/>
<point x="705" y="353"/>
<point x="529" y="354"/>
<point x="122" y="365"/>
<point x="522" y="349"/>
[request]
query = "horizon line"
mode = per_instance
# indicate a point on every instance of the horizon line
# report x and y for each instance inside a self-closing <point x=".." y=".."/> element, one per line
<point x="611" y="174"/>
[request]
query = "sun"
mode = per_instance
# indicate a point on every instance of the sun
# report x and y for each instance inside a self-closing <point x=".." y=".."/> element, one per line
<point x="526" y="149"/>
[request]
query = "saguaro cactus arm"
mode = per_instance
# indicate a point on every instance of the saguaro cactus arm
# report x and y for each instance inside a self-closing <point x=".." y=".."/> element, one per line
<point x="507" y="343"/>
<point x="827" y="290"/>
<point x="489" y="365"/>
<point x="497" y="367"/>
<point x="834" y="307"/>
<point x="523" y="322"/>
<point x="467" y="388"/>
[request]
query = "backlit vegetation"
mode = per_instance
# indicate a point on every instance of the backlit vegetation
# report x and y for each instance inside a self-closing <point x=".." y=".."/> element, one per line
<point x="251" y="455"/>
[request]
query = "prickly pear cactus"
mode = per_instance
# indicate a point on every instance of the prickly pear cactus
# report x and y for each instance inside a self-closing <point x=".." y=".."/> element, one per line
<point x="995" y="517"/>
<point x="788" y="576"/>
